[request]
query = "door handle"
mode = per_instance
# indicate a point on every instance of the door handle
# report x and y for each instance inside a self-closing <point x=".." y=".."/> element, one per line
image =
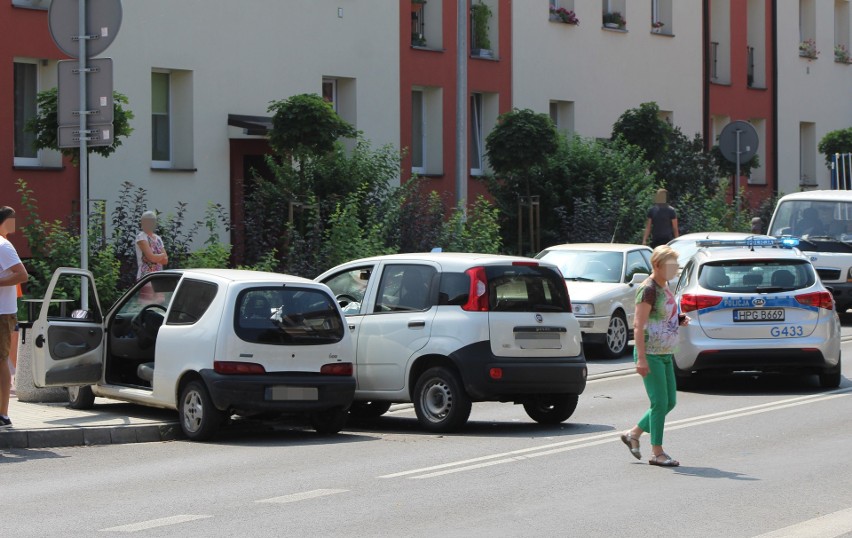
<point x="351" y="326"/>
<point x="416" y="324"/>
<point x="39" y="341"/>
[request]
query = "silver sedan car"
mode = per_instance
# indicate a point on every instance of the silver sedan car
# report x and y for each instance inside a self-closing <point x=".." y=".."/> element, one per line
<point x="756" y="308"/>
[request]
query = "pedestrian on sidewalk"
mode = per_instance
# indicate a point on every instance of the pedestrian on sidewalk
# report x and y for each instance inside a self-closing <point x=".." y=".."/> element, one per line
<point x="150" y="252"/>
<point x="662" y="221"/>
<point x="656" y="325"/>
<point x="12" y="273"/>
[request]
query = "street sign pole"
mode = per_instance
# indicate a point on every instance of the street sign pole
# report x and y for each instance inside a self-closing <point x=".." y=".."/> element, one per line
<point x="84" y="156"/>
<point x="737" y="175"/>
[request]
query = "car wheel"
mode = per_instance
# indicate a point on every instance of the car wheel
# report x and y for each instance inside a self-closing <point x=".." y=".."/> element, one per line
<point x="369" y="409"/>
<point x="199" y="418"/>
<point x="81" y="397"/>
<point x="616" y="336"/>
<point x="329" y="421"/>
<point x="551" y="408"/>
<point x="830" y="380"/>
<point x="440" y="402"/>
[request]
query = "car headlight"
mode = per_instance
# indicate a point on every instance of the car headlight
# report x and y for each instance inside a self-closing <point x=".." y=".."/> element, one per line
<point x="584" y="309"/>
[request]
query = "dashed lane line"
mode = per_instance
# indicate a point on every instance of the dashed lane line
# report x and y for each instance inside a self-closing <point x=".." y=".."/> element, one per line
<point x="609" y="437"/>
<point x="305" y="495"/>
<point x="154" y="523"/>
<point x="828" y="526"/>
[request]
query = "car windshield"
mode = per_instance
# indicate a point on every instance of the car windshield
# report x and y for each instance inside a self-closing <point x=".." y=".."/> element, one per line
<point x="586" y="265"/>
<point x="826" y="220"/>
<point x="756" y="276"/>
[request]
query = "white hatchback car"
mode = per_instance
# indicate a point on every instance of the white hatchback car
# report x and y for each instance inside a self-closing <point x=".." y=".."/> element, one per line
<point x="443" y="330"/>
<point x="207" y="342"/>
<point x="756" y="309"/>
<point x="602" y="279"/>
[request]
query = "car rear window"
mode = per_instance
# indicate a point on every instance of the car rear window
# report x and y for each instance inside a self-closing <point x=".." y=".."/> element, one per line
<point x="750" y="276"/>
<point x="525" y="288"/>
<point x="287" y="316"/>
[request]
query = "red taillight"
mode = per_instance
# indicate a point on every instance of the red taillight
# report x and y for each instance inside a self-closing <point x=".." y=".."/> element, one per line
<point x="237" y="368"/>
<point x="477" y="298"/>
<point x="337" y="368"/>
<point x="819" y="299"/>
<point x="496" y="373"/>
<point x="689" y="302"/>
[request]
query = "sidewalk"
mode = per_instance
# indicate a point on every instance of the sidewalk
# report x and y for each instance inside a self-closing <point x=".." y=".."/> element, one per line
<point x="42" y="425"/>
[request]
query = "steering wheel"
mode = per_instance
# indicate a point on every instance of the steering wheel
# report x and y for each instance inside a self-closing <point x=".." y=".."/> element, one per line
<point x="145" y="326"/>
<point x="346" y="297"/>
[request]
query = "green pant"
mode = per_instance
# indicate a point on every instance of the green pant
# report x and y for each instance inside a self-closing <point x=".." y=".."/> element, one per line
<point x="662" y="391"/>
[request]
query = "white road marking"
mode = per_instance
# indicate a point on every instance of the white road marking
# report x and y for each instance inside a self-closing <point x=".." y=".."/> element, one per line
<point x="295" y="497"/>
<point x="609" y="437"/>
<point x="154" y="523"/>
<point x="828" y="526"/>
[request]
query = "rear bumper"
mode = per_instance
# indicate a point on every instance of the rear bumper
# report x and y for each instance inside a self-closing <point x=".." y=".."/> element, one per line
<point x="254" y="392"/>
<point x="521" y="376"/>
<point x="805" y="361"/>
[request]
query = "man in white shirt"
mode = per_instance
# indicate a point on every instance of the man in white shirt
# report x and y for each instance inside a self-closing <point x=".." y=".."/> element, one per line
<point x="12" y="273"/>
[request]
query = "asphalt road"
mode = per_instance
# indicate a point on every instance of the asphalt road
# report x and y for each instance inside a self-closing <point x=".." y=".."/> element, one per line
<point x="757" y="456"/>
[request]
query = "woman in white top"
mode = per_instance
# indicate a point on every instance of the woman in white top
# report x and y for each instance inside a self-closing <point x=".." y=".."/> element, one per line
<point x="150" y="252"/>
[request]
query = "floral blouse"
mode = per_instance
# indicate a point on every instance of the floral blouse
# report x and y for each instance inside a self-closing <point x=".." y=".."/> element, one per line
<point x="661" y="329"/>
<point x="157" y="247"/>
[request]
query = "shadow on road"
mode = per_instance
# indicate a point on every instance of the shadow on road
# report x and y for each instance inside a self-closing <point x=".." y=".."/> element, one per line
<point x="281" y="433"/>
<point x="710" y="472"/>
<point x="477" y="428"/>
<point x="19" y="455"/>
<point x="752" y="385"/>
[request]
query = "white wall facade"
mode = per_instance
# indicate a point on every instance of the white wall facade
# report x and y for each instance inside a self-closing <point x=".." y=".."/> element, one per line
<point x="814" y="96"/>
<point x="230" y="57"/>
<point x="600" y="73"/>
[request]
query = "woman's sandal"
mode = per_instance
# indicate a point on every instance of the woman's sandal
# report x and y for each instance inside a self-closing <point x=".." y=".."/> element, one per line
<point x="667" y="460"/>
<point x="628" y="440"/>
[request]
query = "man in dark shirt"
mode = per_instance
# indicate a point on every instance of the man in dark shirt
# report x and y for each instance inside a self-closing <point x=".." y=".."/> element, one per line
<point x="662" y="221"/>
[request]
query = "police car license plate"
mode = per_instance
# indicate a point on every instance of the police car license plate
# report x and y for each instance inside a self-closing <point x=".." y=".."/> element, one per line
<point x="759" y="314"/>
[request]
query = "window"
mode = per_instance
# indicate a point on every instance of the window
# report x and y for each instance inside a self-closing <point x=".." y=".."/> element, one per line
<point x="520" y="288"/>
<point x="329" y="92"/>
<point x="161" y="130"/>
<point x="476" y="143"/>
<point x="562" y="114"/>
<point x="340" y="92"/>
<point x="287" y="316"/>
<point x="157" y="290"/>
<point x="614" y="13"/>
<point x="171" y="119"/>
<point x="807" y="154"/>
<point x="661" y="16"/>
<point x="756" y="48"/>
<point x="405" y="288"/>
<point x="751" y="276"/>
<point x="418" y="132"/>
<point x="32" y="4"/>
<point x="667" y="116"/>
<point x="350" y="287"/>
<point x="636" y="264"/>
<point x="484" y="23"/>
<point x="26" y="108"/>
<point x="426" y="24"/>
<point x="841" y="31"/>
<point x="191" y="302"/>
<point x="454" y="289"/>
<point x="564" y="4"/>
<point x="720" y="42"/>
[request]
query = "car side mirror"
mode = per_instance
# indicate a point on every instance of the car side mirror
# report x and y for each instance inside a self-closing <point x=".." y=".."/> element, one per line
<point x="638" y="278"/>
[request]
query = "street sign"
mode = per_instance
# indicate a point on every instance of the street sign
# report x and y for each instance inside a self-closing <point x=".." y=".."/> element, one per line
<point x="745" y="144"/>
<point x="103" y="19"/>
<point x="98" y="134"/>
<point x="98" y="92"/>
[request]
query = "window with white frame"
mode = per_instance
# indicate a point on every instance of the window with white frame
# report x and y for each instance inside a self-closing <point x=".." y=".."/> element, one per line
<point x="756" y="47"/>
<point x="172" y="141"/>
<point x="477" y="147"/>
<point x="807" y="153"/>
<point x="564" y="4"/>
<point x="418" y="132"/>
<point x="562" y="115"/>
<point x="427" y="130"/>
<point x="667" y="116"/>
<point x="611" y="7"/>
<point x="662" y="17"/>
<point x="720" y="42"/>
<point x="807" y="26"/>
<point x="329" y="91"/>
<point x="842" y="51"/>
<point x="26" y="108"/>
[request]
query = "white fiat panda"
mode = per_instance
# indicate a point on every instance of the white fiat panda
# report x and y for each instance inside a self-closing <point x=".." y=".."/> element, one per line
<point x="443" y="330"/>
<point x="208" y="343"/>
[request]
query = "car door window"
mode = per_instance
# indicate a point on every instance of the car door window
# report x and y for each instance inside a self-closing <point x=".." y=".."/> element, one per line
<point x="157" y="290"/>
<point x="191" y="301"/>
<point x="349" y="287"/>
<point x="636" y="264"/>
<point x="405" y="288"/>
<point x="685" y="277"/>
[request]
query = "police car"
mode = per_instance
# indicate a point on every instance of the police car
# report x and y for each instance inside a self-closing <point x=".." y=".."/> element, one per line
<point x="757" y="306"/>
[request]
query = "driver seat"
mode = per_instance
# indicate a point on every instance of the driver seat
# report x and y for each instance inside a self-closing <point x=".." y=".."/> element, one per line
<point x="145" y="371"/>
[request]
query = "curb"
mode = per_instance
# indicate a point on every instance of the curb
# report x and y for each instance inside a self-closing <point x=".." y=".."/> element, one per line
<point x="88" y="436"/>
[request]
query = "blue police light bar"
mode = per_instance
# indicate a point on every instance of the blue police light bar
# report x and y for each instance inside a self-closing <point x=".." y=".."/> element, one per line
<point x="783" y="242"/>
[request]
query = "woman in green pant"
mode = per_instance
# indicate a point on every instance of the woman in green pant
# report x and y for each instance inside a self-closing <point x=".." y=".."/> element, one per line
<point x="655" y="326"/>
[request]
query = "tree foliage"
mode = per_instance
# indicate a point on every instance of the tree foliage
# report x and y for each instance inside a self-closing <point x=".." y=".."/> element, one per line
<point x="644" y="128"/>
<point x="521" y="142"/>
<point x="306" y="125"/>
<point x="839" y="141"/>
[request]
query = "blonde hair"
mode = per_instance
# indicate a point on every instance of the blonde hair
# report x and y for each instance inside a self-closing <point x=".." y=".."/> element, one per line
<point x="662" y="254"/>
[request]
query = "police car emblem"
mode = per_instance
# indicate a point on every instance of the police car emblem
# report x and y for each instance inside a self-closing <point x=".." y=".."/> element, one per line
<point x="758" y="302"/>
<point x="539" y="318"/>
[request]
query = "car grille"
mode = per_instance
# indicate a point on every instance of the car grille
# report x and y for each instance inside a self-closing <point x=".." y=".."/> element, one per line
<point x="829" y="274"/>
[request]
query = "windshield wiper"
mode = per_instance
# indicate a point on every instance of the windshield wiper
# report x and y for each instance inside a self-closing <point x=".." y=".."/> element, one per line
<point x="579" y="279"/>
<point x="772" y="289"/>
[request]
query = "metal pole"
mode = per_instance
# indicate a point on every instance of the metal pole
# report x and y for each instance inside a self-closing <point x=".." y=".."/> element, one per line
<point x="84" y="162"/>
<point x="737" y="177"/>
<point x="461" y="101"/>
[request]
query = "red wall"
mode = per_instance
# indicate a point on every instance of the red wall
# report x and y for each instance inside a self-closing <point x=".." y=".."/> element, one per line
<point x="740" y="102"/>
<point x="24" y="33"/>
<point x="438" y="69"/>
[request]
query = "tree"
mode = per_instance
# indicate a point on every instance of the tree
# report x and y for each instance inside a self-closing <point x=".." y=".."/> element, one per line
<point x="644" y="128"/>
<point x="839" y="141"/>
<point x="306" y="126"/>
<point x="46" y="125"/>
<point x="521" y="141"/>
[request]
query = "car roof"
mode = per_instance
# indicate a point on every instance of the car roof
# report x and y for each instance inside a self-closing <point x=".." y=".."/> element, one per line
<point x="239" y="275"/>
<point x="822" y="196"/>
<point x="708" y="254"/>
<point x="608" y="247"/>
<point x="449" y="258"/>
<point x="718" y="235"/>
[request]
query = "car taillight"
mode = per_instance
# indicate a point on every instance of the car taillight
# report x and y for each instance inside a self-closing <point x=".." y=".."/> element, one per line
<point x="477" y="298"/>
<point x="237" y="368"/>
<point x="337" y="368"/>
<point x="690" y="302"/>
<point x="819" y="299"/>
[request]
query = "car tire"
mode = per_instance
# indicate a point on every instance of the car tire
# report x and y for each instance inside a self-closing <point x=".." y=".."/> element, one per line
<point x="329" y="421"/>
<point x="371" y="409"/>
<point x="440" y="401"/>
<point x="617" y="336"/>
<point x="831" y="379"/>
<point x="199" y="418"/>
<point x="551" y="408"/>
<point x="81" y="397"/>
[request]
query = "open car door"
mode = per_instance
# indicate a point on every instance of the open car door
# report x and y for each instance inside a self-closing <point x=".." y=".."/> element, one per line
<point x="68" y="336"/>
